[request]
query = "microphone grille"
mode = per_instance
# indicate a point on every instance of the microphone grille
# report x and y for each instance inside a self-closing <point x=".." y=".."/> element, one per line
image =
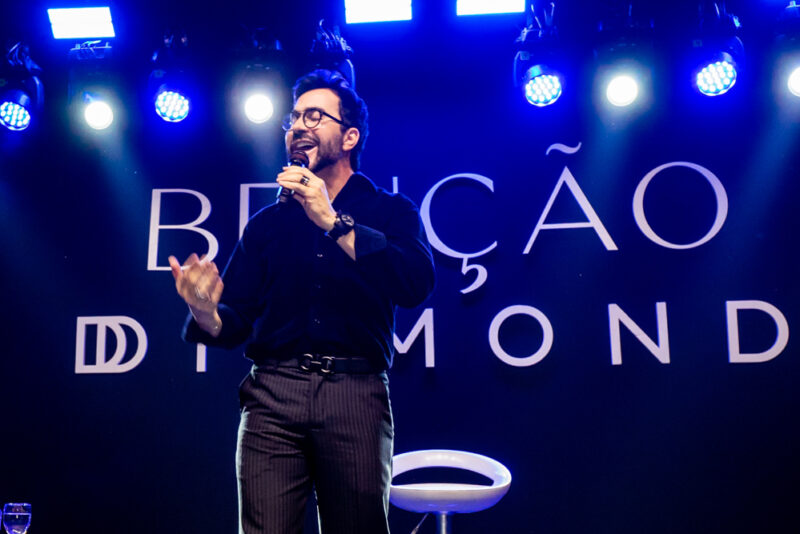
<point x="299" y="158"/>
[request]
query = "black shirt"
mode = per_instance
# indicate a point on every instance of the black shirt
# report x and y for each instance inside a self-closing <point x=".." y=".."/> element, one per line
<point x="290" y="290"/>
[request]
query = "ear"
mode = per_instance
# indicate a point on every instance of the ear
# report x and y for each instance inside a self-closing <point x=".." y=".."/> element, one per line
<point x="350" y="139"/>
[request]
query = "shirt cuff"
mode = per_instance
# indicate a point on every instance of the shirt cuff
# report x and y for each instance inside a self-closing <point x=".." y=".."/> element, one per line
<point x="368" y="240"/>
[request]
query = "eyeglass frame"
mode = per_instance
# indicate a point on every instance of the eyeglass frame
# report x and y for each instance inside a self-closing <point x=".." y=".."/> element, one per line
<point x="292" y="117"/>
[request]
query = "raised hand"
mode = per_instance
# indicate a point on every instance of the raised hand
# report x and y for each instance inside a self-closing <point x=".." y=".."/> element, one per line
<point x="200" y="286"/>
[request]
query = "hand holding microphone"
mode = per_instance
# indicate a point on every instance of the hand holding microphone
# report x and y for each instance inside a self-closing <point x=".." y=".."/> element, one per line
<point x="308" y="189"/>
<point x="298" y="158"/>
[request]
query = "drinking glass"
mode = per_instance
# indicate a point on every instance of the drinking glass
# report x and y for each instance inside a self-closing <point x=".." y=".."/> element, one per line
<point x="17" y="517"/>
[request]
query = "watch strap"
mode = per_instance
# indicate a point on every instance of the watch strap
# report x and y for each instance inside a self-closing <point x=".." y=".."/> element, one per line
<point x="342" y="225"/>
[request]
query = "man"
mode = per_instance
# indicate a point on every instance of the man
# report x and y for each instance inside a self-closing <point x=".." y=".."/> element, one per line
<point x="312" y="287"/>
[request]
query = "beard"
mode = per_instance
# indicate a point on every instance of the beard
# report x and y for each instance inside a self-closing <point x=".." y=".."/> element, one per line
<point x="325" y="159"/>
<point x="326" y="152"/>
<point x="329" y="151"/>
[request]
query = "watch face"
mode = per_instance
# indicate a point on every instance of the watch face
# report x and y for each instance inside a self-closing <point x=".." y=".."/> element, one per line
<point x="347" y="220"/>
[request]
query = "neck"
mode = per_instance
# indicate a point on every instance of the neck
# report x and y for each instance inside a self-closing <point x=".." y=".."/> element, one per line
<point x="336" y="175"/>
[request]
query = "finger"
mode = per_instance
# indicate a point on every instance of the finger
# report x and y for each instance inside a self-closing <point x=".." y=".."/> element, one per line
<point x="216" y="291"/>
<point x="176" y="268"/>
<point x="297" y="187"/>
<point x="191" y="260"/>
<point x="206" y="277"/>
<point x="287" y="184"/>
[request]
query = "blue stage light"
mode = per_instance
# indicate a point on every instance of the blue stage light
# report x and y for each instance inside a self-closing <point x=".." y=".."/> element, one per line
<point x="794" y="82"/>
<point x="14" y="117"/>
<point x="172" y="106"/>
<point x="21" y="92"/>
<point x="543" y="90"/>
<point x="489" y="7"/>
<point x="376" y="10"/>
<point x="81" y="23"/>
<point x="716" y="78"/>
<point x="622" y="90"/>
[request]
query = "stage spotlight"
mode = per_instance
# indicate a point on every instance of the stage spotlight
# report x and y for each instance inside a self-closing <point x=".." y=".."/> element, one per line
<point x="716" y="78"/>
<point x="98" y="114"/>
<point x="21" y="92"/>
<point x="541" y="89"/>
<point x="14" y="116"/>
<point x="622" y="90"/>
<point x="92" y="83"/>
<point x="330" y="51"/>
<point x="261" y="87"/>
<point x="537" y="52"/>
<point x="258" y="108"/>
<point x="624" y="53"/>
<point x="787" y="48"/>
<point x="170" y="78"/>
<point x="489" y="7"/>
<point x="81" y="23"/>
<point x="172" y="106"/>
<point x="376" y="10"/>
<point x="794" y="82"/>
<point x="718" y="52"/>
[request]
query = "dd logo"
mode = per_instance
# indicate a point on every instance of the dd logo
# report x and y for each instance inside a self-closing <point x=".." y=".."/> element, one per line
<point x="122" y="360"/>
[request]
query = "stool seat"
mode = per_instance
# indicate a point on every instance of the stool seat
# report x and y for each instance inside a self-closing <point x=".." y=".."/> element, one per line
<point x="445" y="498"/>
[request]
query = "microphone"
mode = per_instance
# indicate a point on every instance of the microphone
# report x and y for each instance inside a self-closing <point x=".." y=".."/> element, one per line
<point x="300" y="159"/>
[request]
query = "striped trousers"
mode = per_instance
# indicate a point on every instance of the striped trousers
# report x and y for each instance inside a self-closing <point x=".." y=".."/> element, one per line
<point x="306" y="430"/>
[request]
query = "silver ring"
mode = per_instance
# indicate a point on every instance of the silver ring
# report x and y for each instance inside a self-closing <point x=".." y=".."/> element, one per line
<point x="202" y="297"/>
<point x="304" y="180"/>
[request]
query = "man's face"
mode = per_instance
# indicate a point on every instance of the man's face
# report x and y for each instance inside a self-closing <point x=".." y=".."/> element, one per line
<point x="323" y="143"/>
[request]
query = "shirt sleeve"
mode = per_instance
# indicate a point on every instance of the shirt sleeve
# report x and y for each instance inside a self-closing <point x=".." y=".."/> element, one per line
<point x="397" y="258"/>
<point x="242" y="278"/>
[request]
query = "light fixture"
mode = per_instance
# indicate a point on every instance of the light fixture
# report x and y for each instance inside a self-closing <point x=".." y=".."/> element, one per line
<point x="81" y="23"/>
<point x="794" y="82"/>
<point x="624" y="52"/>
<point x="260" y="86"/>
<point x="717" y="51"/>
<point x="356" y="11"/>
<point x="787" y="43"/>
<point x="258" y="108"/>
<point x="169" y="82"/>
<point x="330" y="51"/>
<point x="489" y="7"/>
<point x="622" y="90"/>
<point x="21" y="92"/>
<point x="97" y="112"/>
<point x="538" y="53"/>
<point x="92" y="84"/>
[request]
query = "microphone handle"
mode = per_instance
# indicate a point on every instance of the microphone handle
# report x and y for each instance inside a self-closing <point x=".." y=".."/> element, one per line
<point x="283" y="193"/>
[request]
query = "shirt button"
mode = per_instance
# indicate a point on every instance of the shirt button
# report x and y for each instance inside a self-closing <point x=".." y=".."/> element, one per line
<point x="316" y="321"/>
<point x="318" y="286"/>
<point x="319" y="254"/>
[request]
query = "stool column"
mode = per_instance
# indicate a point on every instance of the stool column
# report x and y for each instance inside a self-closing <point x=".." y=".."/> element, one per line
<point x="443" y="523"/>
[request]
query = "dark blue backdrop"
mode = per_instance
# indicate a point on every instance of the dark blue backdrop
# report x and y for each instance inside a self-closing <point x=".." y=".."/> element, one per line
<point x="696" y="445"/>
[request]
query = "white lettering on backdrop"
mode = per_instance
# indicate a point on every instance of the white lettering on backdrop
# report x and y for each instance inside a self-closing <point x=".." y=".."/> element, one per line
<point x="616" y="316"/>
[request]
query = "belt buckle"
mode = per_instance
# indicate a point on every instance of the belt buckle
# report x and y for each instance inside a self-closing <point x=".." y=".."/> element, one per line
<point x="306" y="361"/>
<point x="324" y="364"/>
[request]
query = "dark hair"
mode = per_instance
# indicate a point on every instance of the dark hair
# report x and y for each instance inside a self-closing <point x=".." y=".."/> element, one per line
<point x="352" y="107"/>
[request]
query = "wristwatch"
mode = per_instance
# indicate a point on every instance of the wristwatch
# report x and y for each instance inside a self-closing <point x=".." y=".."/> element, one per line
<point x="343" y="224"/>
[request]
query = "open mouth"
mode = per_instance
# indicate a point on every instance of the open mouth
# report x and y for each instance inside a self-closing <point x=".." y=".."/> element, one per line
<point x="302" y="145"/>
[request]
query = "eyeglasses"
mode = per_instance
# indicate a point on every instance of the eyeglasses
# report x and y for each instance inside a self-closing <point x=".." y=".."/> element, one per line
<point x="311" y="118"/>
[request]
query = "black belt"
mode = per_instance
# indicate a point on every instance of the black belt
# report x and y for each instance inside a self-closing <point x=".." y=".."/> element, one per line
<point x="323" y="364"/>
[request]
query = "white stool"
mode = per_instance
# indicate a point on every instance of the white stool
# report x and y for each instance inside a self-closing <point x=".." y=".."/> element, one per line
<point x="444" y="499"/>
